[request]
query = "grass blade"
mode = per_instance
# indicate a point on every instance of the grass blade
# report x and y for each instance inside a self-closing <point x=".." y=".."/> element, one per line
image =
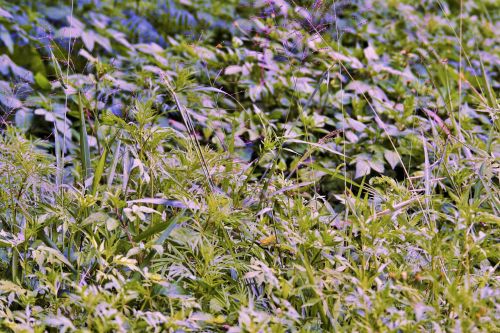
<point x="99" y="171"/>
<point x="84" y="143"/>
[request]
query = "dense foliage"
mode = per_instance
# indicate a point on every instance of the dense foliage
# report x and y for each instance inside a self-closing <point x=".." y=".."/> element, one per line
<point x="249" y="166"/>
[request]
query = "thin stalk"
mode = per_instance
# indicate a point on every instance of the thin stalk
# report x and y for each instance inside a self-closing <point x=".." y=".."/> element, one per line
<point x="310" y="277"/>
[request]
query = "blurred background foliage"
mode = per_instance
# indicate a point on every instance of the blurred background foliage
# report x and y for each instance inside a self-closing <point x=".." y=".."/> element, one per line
<point x="264" y="165"/>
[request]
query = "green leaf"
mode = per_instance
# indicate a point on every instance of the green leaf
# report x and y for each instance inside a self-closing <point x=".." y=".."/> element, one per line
<point x="111" y="224"/>
<point x="165" y="227"/>
<point x="99" y="171"/>
<point x="95" y="218"/>
<point x="56" y="253"/>
<point x="84" y="143"/>
<point x="58" y="69"/>
<point x="42" y="81"/>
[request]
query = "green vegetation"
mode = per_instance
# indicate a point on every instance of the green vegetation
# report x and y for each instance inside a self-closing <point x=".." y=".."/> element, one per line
<point x="249" y="166"/>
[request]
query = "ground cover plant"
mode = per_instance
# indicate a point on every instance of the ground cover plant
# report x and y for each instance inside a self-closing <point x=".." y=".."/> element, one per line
<point x="249" y="166"/>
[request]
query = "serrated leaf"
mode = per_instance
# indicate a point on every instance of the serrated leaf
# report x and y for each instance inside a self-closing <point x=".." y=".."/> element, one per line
<point x="88" y="40"/>
<point x="376" y="165"/>
<point x="10" y="102"/>
<point x="231" y="70"/>
<point x="392" y="158"/>
<point x="370" y="53"/>
<point x="104" y="42"/>
<point x="111" y="224"/>
<point x="356" y="125"/>
<point x="95" y="218"/>
<point x="362" y="168"/>
<point x="69" y="32"/>
<point x="7" y="39"/>
<point x="6" y="63"/>
<point x="57" y="254"/>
